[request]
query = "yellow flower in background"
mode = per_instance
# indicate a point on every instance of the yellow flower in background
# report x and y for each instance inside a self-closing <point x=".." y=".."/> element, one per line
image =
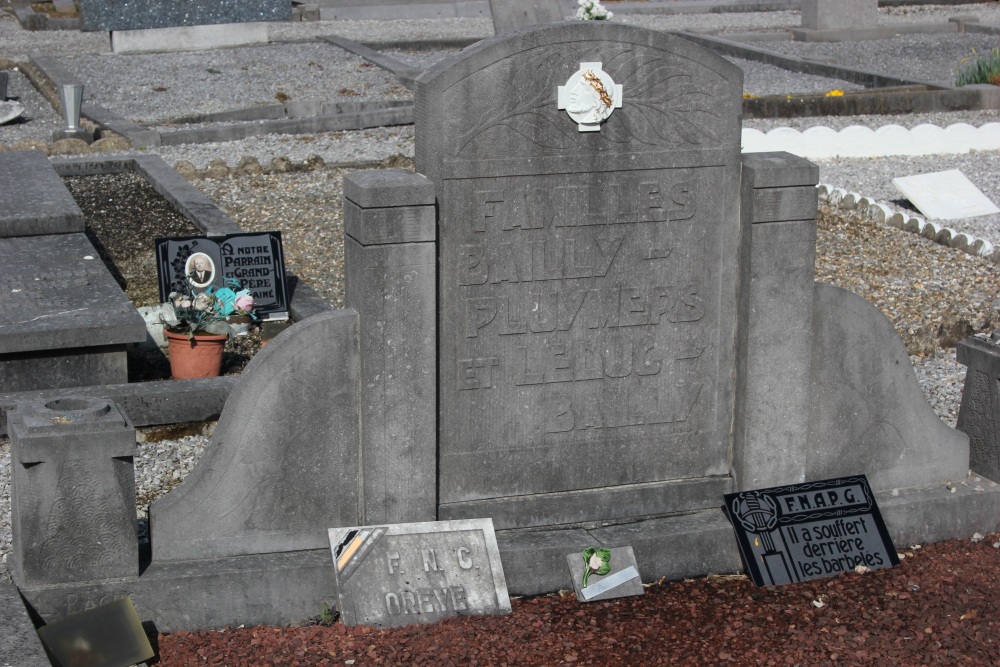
<point x="835" y="93"/>
<point x="748" y="96"/>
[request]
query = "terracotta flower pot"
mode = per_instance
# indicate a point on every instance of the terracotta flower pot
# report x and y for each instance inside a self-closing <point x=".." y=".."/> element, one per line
<point x="198" y="357"/>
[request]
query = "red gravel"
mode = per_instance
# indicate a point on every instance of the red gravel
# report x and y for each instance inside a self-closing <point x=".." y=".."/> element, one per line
<point x="939" y="607"/>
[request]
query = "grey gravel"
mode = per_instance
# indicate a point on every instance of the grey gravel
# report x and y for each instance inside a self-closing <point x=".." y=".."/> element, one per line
<point x="39" y="120"/>
<point x="760" y="79"/>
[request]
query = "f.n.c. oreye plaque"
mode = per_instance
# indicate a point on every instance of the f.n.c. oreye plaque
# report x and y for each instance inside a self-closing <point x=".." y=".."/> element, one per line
<point x="417" y="572"/>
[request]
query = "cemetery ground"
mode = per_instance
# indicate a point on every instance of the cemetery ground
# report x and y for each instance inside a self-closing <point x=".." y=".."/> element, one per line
<point x="938" y="607"/>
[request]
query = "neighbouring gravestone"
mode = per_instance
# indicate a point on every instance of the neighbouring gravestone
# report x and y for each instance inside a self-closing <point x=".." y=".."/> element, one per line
<point x="282" y="466"/>
<point x="64" y="321"/>
<point x="142" y="14"/>
<point x="513" y="14"/>
<point x="72" y="492"/>
<point x="106" y="636"/>
<point x="979" y="414"/>
<point x="839" y="14"/>
<point x="256" y="260"/>
<point x="808" y="531"/>
<point x="399" y="574"/>
<point x="34" y="199"/>
<point x="589" y="237"/>
<point x="945" y="195"/>
<point x="619" y="578"/>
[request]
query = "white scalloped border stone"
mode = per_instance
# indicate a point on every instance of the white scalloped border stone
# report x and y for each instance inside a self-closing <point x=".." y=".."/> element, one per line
<point x="822" y="142"/>
<point x="884" y="214"/>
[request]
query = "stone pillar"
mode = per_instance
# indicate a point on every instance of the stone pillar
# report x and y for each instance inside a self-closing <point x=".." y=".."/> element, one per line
<point x="779" y="198"/>
<point x="979" y="414"/>
<point x="73" y="492"/>
<point x="389" y="220"/>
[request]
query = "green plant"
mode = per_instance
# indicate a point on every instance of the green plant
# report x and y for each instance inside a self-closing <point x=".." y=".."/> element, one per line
<point x="596" y="561"/>
<point x="980" y="68"/>
<point x="326" y="615"/>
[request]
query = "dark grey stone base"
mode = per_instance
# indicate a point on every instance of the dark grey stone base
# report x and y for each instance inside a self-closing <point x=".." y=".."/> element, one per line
<point x="280" y="589"/>
<point x="269" y="589"/>
<point x="71" y="367"/>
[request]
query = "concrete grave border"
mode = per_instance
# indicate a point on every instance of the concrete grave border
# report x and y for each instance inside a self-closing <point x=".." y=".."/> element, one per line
<point x="166" y="401"/>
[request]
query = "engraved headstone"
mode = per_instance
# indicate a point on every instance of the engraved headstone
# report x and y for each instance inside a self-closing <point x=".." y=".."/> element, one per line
<point x="405" y="573"/>
<point x="808" y="531"/>
<point x="608" y="573"/>
<point x="589" y="236"/>
<point x="945" y="195"/>
<point x="255" y="260"/>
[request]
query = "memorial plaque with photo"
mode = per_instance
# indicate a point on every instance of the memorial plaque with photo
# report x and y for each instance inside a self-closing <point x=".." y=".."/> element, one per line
<point x="417" y="572"/>
<point x="808" y="531"/>
<point x="257" y="261"/>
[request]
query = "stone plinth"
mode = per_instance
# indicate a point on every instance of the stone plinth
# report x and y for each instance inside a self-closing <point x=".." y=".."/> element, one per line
<point x="73" y="509"/>
<point x="389" y="220"/>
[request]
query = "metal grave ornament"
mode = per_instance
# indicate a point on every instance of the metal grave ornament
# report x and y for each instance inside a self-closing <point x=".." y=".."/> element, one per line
<point x="589" y="97"/>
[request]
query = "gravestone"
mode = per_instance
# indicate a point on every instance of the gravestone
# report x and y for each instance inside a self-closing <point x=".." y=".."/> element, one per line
<point x="282" y="466"/>
<point x="34" y="199"/>
<point x="945" y="195"/>
<point x="513" y="14"/>
<point x="808" y="531"/>
<point x="589" y="238"/>
<point x="839" y="14"/>
<point x="400" y="574"/>
<point x="64" y="321"/>
<point x="979" y="414"/>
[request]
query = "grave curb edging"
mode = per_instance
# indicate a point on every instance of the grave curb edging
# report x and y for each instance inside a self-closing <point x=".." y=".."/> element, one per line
<point x="883" y="213"/>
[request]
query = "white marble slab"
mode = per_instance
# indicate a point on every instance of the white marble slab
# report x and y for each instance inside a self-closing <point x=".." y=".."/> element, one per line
<point x="945" y="195"/>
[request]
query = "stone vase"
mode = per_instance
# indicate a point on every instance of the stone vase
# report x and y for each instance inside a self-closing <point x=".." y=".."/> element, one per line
<point x="196" y="357"/>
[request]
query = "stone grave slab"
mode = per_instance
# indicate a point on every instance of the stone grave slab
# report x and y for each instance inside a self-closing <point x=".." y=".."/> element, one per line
<point x="140" y="14"/>
<point x="621" y="579"/>
<point x="33" y="199"/>
<point x="589" y="272"/>
<point x="808" y="531"/>
<point x="64" y="321"/>
<point x="398" y="574"/>
<point x="945" y="195"/>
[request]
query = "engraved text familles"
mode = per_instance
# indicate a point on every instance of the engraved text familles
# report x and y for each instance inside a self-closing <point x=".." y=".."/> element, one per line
<point x="565" y="289"/>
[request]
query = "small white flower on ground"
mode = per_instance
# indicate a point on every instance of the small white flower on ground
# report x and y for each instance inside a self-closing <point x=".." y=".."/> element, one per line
<point x="592" y="10"/>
